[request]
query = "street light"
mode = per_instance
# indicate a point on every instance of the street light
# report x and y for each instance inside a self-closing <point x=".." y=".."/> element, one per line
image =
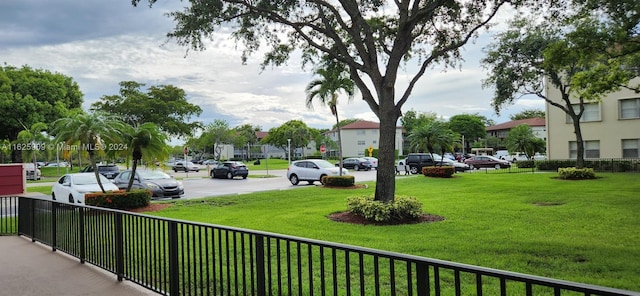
<point x="289" y="150"/>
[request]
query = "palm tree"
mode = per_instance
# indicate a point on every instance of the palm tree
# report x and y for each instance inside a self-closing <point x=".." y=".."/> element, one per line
<point x="145" y="140"/>
<point x="522" y="139"/>
<point x="334" y="78"/>
<point x="32" y="137"/>
<point x="433" y="136"/>
<point x="92" y="131"/>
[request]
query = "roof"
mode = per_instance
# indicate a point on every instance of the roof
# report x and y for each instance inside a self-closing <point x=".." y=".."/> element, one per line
<point x="362" y="124"/>
<point x="511" y="124"/>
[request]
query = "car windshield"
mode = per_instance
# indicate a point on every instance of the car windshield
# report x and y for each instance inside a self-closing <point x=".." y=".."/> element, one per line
<point x="153" y="175"/>
<point x="108" y="168"/>
<point x="88" y="179"/>
<point x="324" y="164"/>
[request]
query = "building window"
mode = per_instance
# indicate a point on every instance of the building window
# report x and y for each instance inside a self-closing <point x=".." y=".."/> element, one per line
<point x="591" y="112"/>
<point x="360" y="132"/>
<point x="631" y="148"/>
<point x="361" y="143"/>
<point x="591" y="149"/>
<point x="630" y="108"/>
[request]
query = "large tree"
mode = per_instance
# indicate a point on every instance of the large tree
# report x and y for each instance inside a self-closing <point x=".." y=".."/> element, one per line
<point x="528" y="54"/>
<point x="289" y="136"/>
<point x="333" y="79"/>
<point x="215" y="135"/>
<point x="29" y="96"/>
<point x="470" y="126"/>
<point x="374" y="39"/>
<point x="164" y="105"/>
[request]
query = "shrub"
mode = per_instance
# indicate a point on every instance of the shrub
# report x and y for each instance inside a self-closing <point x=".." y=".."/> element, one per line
<point x="137" y="198"/>
<point x="525" y="164"/>
<point x="339" y="181"/>
<point x="573" y="173"/>
<point x="403" y="208"/>
<point x="438" y="171"/>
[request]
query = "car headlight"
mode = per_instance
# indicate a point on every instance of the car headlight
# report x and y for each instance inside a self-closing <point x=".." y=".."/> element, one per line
<point x="180" y="185"/>
<point x="152" y="185"/>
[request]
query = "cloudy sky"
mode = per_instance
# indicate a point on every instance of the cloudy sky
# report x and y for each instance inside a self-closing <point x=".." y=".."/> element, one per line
<point x="100" y="43"/>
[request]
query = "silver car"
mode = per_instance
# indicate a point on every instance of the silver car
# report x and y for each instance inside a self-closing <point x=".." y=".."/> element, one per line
<point x="312" y="170"/>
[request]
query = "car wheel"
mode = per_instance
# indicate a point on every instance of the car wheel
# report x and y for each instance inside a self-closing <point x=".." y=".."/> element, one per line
<point x="414" y="169"/>
<point x="294" y="179"/>
<point x="244" y="177"/>
<point x="197" y="171"/>
<point x="323" y="179"/>
<point x="356" y="167"/>
<point x="229" y="175"/>
<point x="213" y="174"/>
<point x="498" y="167"/>
<point x="175" y="170"/>
<point x="71" y="199"/>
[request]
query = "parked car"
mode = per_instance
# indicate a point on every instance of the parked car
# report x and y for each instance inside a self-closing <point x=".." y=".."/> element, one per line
<point x="71" y="188"/>
<point x="32" y="173"/>
<point x="373" y="161"/>
<point x="540" y="156"/>
<point x="486" y="161"/>
<point x="312" y="170"/>
<point x="356" y="163"/>
<point x="109" y="170"/>
<point x="229" y="170"/>
<point x="57" y="164"/>
<point x="210" y="162"/>
<point x="161" y="184"/>
<point x="459" y="166"/>
<point x="182" y="166"/>
<point x="416" y="161"/>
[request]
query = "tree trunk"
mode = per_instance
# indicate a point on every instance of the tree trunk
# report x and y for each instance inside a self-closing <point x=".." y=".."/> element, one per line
<point x="133" y="174"/>
<point x="386" y="174"/>
<point x="95" y="169"/>
<point x="579" y="142"/>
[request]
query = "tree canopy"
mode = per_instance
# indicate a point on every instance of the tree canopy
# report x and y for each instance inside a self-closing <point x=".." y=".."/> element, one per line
<point x="372" y="39"/>
<point x="296" y="130"/>
<point x="528" y="113"/>
<point x="29" y="96"/>
<point x="164" y="105"/>
<point x="573" y="56"/>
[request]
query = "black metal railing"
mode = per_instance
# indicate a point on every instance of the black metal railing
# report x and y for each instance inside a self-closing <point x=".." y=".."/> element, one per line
<point x="175" y="257"/>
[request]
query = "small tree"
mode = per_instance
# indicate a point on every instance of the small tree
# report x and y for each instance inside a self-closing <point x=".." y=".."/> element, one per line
<point x="144" y="140"/>
<point x="521" y="138"/>
<point x="334" y="78"/>
<point x="92" y="131"/>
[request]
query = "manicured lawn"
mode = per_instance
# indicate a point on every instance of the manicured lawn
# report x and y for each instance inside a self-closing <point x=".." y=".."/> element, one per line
<point x="585" y="231"/>
<point x="46" y="190"/>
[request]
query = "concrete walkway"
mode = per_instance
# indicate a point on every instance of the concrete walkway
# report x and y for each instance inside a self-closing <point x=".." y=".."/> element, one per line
<point x="28" y="268"/>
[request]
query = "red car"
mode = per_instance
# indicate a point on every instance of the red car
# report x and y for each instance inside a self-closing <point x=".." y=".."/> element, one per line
<point x="486" y="161"/>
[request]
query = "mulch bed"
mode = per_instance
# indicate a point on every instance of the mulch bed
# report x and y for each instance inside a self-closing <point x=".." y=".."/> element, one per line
<point x="348" y="217"/>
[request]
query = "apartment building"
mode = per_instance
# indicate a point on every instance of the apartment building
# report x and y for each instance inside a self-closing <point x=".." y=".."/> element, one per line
<point x="361" y="135"/>
<point x="610" y="127"/>
<point x="501" y="131"/>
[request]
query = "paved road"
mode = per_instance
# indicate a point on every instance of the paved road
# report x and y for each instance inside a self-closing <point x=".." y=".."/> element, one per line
<point x="198" y="185"/>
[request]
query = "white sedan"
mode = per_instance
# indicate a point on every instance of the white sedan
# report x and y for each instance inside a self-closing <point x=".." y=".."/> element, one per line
<point x="312" y="170"/>
<point x="71" y="188"/>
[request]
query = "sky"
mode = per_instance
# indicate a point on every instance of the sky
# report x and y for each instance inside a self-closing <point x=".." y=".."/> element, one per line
<point x="101" y="43"/>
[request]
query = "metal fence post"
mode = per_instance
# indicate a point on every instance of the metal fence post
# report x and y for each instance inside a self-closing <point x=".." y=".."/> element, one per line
<point x="54" y="228"/>
<point x="422" y="278"/>
<point x="174" y="279"/>
<point x="119" y="241"/>
<point x="82" y="237"/>
<point x="260" y="270"/>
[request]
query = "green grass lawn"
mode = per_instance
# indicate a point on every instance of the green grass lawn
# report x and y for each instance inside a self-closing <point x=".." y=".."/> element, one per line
<point x="586" y="231"/>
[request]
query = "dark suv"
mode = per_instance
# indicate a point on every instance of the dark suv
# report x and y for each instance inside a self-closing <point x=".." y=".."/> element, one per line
<point x="108" y="170"/>
<point x="416" y="161"/>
